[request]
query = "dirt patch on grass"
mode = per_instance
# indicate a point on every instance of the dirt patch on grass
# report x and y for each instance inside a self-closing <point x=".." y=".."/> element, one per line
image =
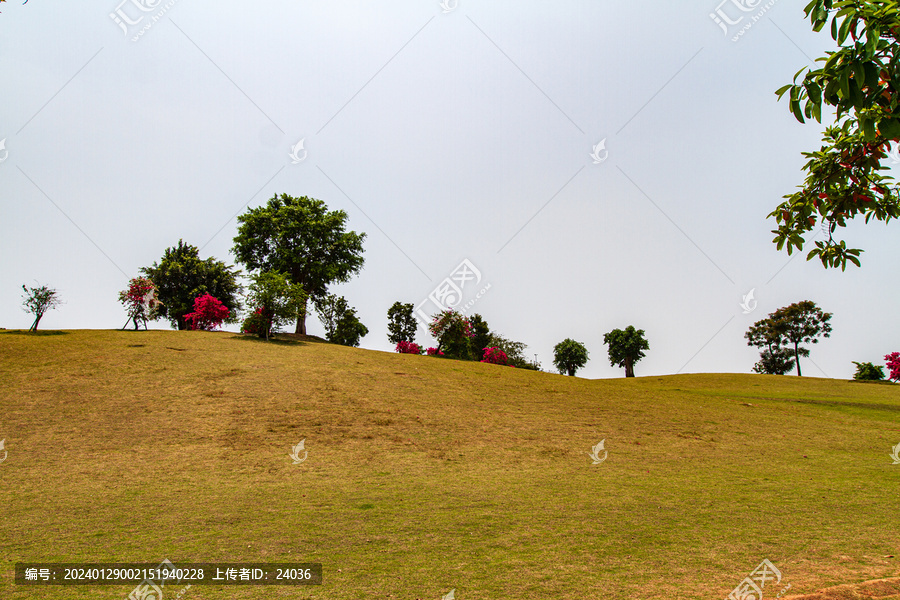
<point x="876" y="588"/>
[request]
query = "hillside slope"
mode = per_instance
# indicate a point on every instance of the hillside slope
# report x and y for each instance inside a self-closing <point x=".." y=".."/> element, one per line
<point x="425" y="475"/>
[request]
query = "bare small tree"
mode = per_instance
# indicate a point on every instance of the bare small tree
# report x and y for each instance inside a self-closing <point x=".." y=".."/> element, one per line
<point x="38" y="300"/>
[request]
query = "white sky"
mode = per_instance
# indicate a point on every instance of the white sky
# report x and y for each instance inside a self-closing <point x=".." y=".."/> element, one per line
<point x="445" y="136"/>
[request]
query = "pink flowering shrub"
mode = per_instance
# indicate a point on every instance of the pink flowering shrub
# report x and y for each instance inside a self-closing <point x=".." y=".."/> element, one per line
<point x="209" y="313"/>
<point x="495" y="356"/>
<point x="404" y="347"/>
<point x="433" y="352"/>
<point x="893" y="364"/>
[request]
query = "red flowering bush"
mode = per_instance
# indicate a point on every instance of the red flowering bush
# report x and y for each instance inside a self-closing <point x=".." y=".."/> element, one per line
<point x="893" y="364"/>
<point x="404" y="347"/>
<point x="433" y="352"/>
<point x="209" y="313"/>
<point x="495" y="356"/>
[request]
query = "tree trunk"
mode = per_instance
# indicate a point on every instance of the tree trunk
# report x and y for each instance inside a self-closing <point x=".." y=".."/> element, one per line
<point x="301" y="321"/>
<point x="37" y="320"/>
<point x="629" y="367"/>
<point x="797" y="357"/>
<point x="571" y="372"/>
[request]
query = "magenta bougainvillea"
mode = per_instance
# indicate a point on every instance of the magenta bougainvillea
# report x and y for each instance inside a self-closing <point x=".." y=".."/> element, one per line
<point x="404" y="347"/>
<point x="893" y="364"/>
<point x="433" y="352"/>
<point x="209" y="313"/>
<point x="495" y="356"/>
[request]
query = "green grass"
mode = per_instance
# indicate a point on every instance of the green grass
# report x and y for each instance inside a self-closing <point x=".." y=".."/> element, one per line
<point x="425" y="475"/>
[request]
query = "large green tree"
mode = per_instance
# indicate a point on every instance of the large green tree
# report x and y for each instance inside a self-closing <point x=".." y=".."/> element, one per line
<point x="303" y="239"/>
<point x="788" y="327"/>
<point x="181" y="276"/>
<point x="860" y="80"/>
<point x="402" y="324"/>
<point x="626" y="347"/>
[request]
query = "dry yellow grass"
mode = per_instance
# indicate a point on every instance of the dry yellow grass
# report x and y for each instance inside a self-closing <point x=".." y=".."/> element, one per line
<point x="425" y="475"/>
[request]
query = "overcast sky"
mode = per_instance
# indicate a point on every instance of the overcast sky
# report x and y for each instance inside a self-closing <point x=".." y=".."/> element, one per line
<point x="462" y="131"/>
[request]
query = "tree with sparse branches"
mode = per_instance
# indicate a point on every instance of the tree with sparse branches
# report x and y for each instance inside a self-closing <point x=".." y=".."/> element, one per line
<point x="569" y="356"/>
<point x="38" y="300"/>
<point x="788" y="327"/>
<point x="860" y="80"/>
<point x="402" y="324"/>
<point x="140" y="302"/>
<point x="626" y="347"/>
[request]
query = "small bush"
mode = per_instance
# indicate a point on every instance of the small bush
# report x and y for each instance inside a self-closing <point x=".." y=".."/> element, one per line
<point x="433" y="352"/>
<point x="868" y="372"/>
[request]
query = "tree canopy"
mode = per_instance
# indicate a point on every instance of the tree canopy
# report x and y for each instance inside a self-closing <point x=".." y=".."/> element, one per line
<point x="402" y="324"/>
<point x="181" y="276"/>
<point x="569" y="356"/>
<point x="860" y="80"/>
<point x="301" y="238"/>
<point x="626" y="347"/>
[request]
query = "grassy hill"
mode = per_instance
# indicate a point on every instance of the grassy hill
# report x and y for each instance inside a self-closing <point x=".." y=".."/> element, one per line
<point x="426" y="475"/>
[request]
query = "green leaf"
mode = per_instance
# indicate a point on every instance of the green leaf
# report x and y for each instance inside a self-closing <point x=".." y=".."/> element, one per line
<point x="890" y="128"/>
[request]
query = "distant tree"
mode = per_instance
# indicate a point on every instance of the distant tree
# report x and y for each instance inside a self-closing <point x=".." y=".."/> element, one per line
<point x="276" y="299"/>
<point x="350" y="330"/>
<point x="209" y="314"/>
<point x="452" y="330"/>
<point x="776" y="361"/>
<point x="569" y="356"/>
<point x="800" y="323"/>
<point x="38" y="300"/>
<point x="140" y="302"/>
<point x="339" y="320"/>
<point x="868" y="372"/>
<point x="402" y="325"/>
<point x="181" y="276"/>
<point x="481" y="337"/>
<point x="301" y="238"/>
<point x="626" y="347"/>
